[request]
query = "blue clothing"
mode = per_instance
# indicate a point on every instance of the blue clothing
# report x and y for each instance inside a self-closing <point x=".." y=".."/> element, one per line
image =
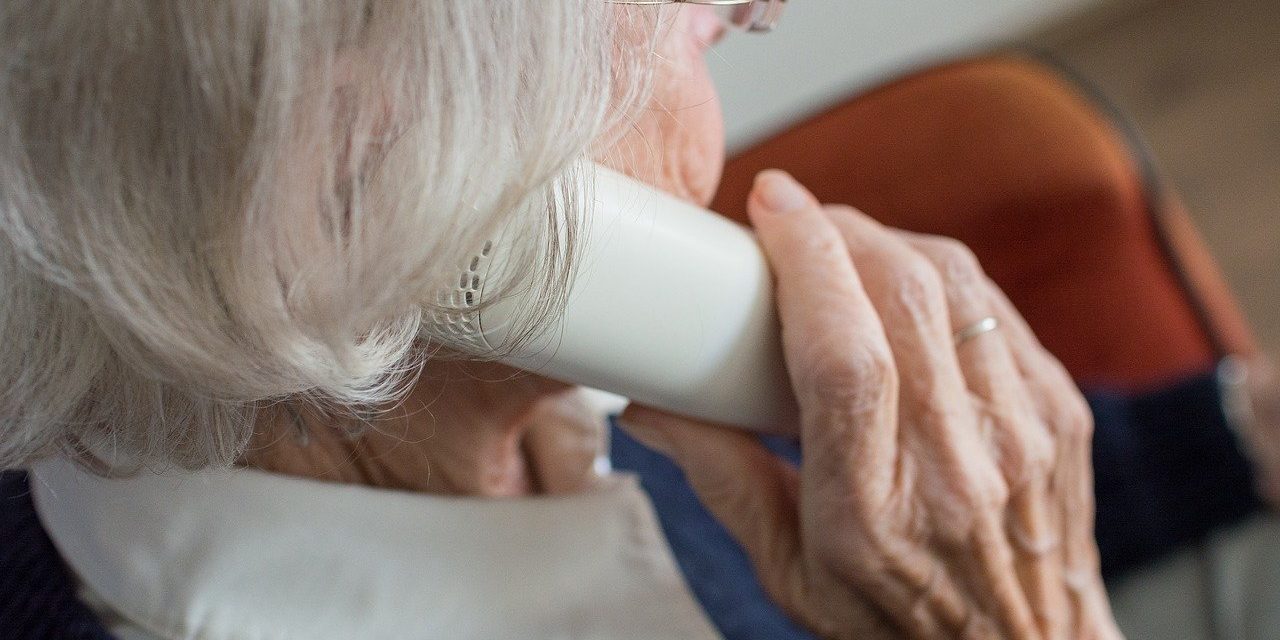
<point x="715" y="567"/>
<point x="37" y="594"/>
<point x="1168" y="472"/>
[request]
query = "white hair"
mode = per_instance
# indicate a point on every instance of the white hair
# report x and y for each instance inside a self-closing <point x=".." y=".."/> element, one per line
<point x="205" y="207"/>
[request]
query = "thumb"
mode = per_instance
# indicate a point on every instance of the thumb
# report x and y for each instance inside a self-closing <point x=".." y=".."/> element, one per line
<point x="752" y="492"/>
<point x="564" y="434"/>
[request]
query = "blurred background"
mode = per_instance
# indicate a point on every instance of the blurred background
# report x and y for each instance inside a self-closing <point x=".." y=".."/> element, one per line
<point x="1201" y="78"/>
<point x="1201" y="81"/>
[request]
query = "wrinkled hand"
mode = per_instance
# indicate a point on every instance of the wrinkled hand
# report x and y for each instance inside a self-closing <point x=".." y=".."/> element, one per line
<point x="466" y="428"/>
<point x="946" y="489"/>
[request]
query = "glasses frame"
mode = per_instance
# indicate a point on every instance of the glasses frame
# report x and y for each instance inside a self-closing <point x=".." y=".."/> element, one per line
<point x="766" y="23"/>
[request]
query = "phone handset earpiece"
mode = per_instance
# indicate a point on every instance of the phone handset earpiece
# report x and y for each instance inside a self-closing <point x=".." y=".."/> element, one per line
<point x="672" y="306"/>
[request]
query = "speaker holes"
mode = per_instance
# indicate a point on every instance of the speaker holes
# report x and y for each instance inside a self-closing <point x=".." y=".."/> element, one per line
<point x="454" y="320"/>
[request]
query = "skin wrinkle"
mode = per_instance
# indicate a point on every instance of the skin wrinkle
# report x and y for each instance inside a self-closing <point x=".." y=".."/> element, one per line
<point x="1076" y="513"/>
<point x="1024" y="454"/>
<point x="901" y="559"/>
<point x="942" y="442"/>
<point x="898" y="522"/>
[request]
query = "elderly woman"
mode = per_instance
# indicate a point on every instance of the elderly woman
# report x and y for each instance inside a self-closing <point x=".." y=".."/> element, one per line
<point x="222" y="226"/>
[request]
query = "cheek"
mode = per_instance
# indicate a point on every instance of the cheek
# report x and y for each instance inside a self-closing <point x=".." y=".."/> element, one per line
<point x="677" y="141"/>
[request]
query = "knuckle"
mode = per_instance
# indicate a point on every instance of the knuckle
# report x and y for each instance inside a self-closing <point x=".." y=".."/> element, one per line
<point x="823" y="242"/>
<point x="1032" y="451"/>
<point x="955" y="259"/>
<point x="1063" y="406"/>
<point x="1039" y="456"/>
<point x="840" y="210"/>
<point x="919" y="284"/>
<point x="983" y="487"/>
<point x="983" y="490"/>
<point x="994" y="494"/>
<point x="840" y="375"/>
<point x="1041" y="451"/>
<point x="1075" y="421"/>
<point x="957" y="265"/>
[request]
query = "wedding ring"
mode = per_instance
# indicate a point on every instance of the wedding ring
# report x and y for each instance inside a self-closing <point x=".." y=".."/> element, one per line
<point x="985" y="325"/>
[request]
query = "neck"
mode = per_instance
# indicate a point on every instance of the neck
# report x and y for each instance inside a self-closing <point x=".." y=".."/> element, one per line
<point x="464" y="429"/>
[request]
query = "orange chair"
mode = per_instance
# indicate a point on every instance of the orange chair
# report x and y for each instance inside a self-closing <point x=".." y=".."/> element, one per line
<point x="1007" y="155"/>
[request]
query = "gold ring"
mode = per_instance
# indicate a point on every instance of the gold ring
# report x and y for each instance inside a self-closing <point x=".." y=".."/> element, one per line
<point x="985" y="325"/>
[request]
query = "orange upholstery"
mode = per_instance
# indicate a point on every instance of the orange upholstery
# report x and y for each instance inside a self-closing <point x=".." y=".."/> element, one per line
<point x="1004" y="154"/>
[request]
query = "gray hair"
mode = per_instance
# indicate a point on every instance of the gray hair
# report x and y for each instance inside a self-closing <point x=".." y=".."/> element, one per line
<point x="205" y="207"/>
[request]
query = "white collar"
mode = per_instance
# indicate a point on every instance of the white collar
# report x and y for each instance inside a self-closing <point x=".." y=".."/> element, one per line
<point x="245" y="554"/>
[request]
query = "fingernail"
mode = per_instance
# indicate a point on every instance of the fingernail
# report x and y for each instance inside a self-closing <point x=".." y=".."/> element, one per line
<point x="780" y="193"/>
<point x="652" y="437"/>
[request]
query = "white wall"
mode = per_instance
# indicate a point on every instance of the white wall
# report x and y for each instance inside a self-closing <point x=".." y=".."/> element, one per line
<point x="825" y="48"/>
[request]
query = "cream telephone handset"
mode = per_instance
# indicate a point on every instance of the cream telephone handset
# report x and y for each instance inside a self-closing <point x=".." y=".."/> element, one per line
<point x="671" y="306"/>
